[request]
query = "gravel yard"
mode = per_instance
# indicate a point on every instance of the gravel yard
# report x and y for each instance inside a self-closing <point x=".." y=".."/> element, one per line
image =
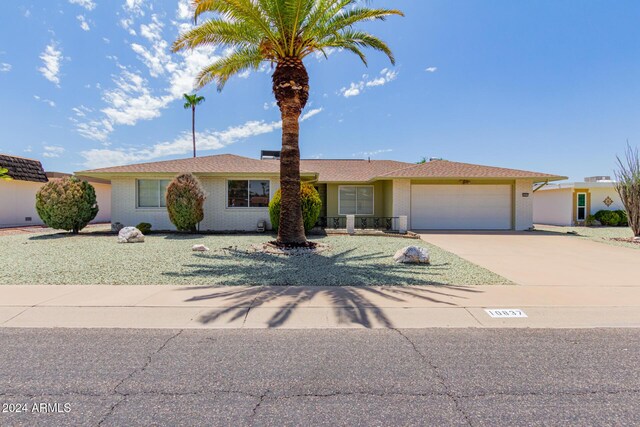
<point x="92" y="258"/>
<point x="599" y="234"/>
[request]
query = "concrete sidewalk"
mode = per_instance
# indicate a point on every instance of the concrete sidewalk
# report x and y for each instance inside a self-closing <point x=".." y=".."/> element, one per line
<point x="316" y="307"/>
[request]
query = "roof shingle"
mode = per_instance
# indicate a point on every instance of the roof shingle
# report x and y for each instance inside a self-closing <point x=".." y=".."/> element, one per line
<point x="447" y="169"/>
<point x="23" y="169"/>
<point x="350" y="170"/>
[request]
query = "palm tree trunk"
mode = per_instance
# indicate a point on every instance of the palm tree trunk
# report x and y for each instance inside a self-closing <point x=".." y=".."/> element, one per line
<point x="193" y="128"/>
<point x="291" y="89"/>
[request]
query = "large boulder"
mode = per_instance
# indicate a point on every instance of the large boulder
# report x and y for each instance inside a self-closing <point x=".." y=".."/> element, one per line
<point x="412" y="255"/>
<point x="199" y="248"/>
<point x="130" y="235"/>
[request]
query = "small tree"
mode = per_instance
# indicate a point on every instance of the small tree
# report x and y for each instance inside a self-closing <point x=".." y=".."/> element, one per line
<point x="185" y="202"/>
<point x="628" y="187"/>
<point x="67" y="204"/>
<point x="310" y="202"/>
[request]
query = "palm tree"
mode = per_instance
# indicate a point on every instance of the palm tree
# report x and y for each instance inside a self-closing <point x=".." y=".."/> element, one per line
<point x="192" y="101"/>
<point x="282" y="32"/>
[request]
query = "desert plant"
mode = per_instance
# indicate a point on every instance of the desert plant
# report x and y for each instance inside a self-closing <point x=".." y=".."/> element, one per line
<point x="591" y="221"/>
<point x="310" y="202"/>
<point x="624" y="219"/>
<point x="609" y="218"/>
<point x="4" y="174"/>
<point x="67" y="204"/>
<point x="282" y="33"/>
<point x="144" y="227"/>
<point x="628" y="187"/>
<point x="185" y="202"/>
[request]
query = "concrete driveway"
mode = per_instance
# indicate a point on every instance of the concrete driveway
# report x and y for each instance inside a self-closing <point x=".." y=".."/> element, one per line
<point x="539" y="258"/>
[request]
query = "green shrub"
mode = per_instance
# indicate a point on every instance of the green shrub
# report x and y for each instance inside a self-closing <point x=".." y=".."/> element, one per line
<point x="67" y="204"/>
<point x="591" y="220"/>
<point x="624" y="219"/>
<point x="144" y="227"/>
<point x="311" y="206"/>
<point x="185" y="202"/>
<point x="609" y="218"/>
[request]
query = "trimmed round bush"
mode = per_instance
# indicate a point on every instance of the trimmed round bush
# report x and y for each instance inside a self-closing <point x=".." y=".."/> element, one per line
<point x="311" y="206"/>
<point x="185" y="202"/>
<point x="67" y="204"/>
<point x="609" y="218"/>
<point x="624" y="219"/>
<point x="144" y="227"/>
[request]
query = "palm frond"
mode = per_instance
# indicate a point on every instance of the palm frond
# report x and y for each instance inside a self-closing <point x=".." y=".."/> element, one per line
<point x="350" y="39"/>
<point x="221" y="70"/>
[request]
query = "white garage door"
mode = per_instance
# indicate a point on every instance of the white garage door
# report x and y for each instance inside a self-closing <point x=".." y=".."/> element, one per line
<point x="461" y="207"/>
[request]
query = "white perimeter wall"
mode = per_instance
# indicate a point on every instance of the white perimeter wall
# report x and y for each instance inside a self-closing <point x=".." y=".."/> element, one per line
<point x="553" y="207"/>
<point x="18" y="201"/>
<point x="217" y="217"/>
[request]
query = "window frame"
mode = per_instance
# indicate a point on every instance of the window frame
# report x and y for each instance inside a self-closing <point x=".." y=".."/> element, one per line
<point x="248" y="180"/>
<point x="160" y="196"/>
<point x="373" y="199"/>
<point x="578" y="206"/>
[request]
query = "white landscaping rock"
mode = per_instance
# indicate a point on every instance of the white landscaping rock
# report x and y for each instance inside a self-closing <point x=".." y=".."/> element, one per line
<point x="413" y="255"/>
<point x="130" y="235"/>
<point x="199" y="248"/>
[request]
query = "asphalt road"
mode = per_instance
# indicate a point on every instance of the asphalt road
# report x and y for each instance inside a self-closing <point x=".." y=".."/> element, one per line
<point x="320" y="377"/>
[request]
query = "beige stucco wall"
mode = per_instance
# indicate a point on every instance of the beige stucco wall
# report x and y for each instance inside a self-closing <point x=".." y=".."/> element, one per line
<point x="217" y="217"/>
<point x="18" y="201"/>
<point x="553" y="207"/>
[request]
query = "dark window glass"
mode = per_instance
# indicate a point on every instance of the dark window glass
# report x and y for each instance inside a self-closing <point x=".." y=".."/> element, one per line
<point x="238" y="194"/>
<point x="581" y="213"/>
<point x="258" y="194"/>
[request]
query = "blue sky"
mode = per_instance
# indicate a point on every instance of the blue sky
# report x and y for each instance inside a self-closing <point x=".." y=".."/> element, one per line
<point x="551" y="86"/>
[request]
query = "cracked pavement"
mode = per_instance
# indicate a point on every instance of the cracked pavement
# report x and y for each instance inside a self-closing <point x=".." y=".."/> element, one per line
<point x="461" y="377"/>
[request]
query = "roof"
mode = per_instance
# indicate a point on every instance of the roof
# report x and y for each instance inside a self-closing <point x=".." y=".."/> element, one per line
<point x="23" y="169"/>
<point x="60" y="175"/>
<point x="348" y="170"/>
<point x="573" y="185"/>
<point x="354" y="170"/>
<point x="447" y="169"/>
<point x="216" y="164"/>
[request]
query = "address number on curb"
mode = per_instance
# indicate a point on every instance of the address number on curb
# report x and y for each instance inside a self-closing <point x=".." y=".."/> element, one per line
<point x="505" y="312"/>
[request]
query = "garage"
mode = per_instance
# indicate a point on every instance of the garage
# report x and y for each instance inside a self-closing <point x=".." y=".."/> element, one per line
<point x="461" y="207"/>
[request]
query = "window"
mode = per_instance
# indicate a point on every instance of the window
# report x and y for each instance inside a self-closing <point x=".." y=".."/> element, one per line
<point x="247" y="194"/>
<point x="151" y="193"/>
<point x="355" y="200"/>
<point x="581" y="211"/>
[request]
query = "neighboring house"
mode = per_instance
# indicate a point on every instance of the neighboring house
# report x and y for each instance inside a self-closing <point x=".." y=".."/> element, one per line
<point x="436" y="195"/>
<point x="571" y="203"/>
<point x="18" y="196"/>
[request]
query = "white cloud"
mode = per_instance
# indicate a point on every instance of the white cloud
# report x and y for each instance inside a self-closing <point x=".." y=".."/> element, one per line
<point x="51" y="57"/>
<point x="182" y="144"/>
<point x="134" y="7"/>
<point x="49" y="102"/>
<point x="52" y="151"/>
<point x="4" y="67"/>
<point x="311" y="113"/>
<point x="372" y="153"/>
<point x="431" y="69"/>
<point x="87" y="4"/>
<point x="356" y="88"/>
<point x="83" y="23"/>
